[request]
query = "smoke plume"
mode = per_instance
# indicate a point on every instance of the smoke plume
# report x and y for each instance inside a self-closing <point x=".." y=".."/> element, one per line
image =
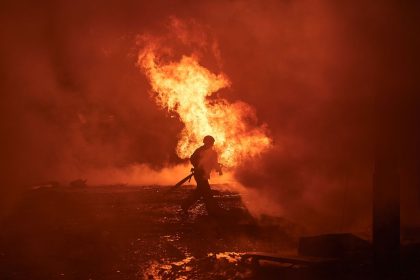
<point x="75" y="105"/>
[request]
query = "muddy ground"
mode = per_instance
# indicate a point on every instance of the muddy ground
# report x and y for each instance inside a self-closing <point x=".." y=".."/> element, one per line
<point x="120" y="232"/>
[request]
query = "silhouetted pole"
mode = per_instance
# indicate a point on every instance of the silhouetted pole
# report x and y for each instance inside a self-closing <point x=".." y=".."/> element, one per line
<point x="386" y="208"/>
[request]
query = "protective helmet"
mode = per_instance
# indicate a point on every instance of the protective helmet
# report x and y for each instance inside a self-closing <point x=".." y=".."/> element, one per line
<point x="208" y="140"/>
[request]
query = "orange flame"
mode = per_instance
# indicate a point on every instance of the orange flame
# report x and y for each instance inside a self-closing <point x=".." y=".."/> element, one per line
<point x="184" y="87"/>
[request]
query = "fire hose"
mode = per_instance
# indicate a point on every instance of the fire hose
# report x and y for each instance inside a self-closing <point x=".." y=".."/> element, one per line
<point x="180" y="183"/>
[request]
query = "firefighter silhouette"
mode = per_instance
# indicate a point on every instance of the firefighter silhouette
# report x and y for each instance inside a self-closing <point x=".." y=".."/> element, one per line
<point x="204" y="160"/>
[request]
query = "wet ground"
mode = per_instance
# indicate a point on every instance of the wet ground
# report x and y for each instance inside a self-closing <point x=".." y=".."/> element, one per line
<point x="120" y="232"/>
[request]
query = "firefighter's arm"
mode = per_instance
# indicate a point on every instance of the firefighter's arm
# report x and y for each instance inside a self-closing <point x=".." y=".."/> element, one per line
<point x="217" y="165"/>
<point x="219" y="168"/>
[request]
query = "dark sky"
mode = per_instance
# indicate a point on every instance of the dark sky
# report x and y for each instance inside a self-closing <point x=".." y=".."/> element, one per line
<point x="323" y="75"/>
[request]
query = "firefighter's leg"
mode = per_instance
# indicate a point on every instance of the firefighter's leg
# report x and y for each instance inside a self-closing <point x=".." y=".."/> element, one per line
<point x="194" y="196"/>
<point x="190" y="200"/>
<point x="211" y="204"/>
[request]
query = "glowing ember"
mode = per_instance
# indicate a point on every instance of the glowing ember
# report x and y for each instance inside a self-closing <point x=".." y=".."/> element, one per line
<point x="184" y="87"/>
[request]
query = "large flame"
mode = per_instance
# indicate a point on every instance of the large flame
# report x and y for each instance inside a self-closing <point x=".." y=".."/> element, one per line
<point x="184" y="87"/>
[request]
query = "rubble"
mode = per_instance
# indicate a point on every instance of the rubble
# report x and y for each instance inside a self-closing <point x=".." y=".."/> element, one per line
<point x="47" y="184"/>
<point x="79" y="183"/>
<point x="341" y="245"/>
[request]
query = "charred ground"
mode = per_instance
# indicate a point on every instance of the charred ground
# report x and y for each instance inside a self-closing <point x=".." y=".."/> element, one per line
<point x="120" y="232"/>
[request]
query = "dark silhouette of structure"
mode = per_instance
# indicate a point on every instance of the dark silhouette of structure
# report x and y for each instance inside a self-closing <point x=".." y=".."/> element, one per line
<point x="204" y="159"/>
<point x="386" y="213"/>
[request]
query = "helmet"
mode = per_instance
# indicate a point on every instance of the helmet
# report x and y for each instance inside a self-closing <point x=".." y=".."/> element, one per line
<point x="208" y="140"/>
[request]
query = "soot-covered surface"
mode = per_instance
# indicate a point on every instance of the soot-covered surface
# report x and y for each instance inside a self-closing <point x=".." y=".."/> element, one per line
<point x="119" y="232"/>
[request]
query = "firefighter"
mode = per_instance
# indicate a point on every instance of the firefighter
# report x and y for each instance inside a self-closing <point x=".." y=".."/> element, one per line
<point x="204" y="160"/>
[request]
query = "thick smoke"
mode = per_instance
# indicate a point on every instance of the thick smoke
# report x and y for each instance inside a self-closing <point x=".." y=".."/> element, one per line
<point x="74" y="103"/>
